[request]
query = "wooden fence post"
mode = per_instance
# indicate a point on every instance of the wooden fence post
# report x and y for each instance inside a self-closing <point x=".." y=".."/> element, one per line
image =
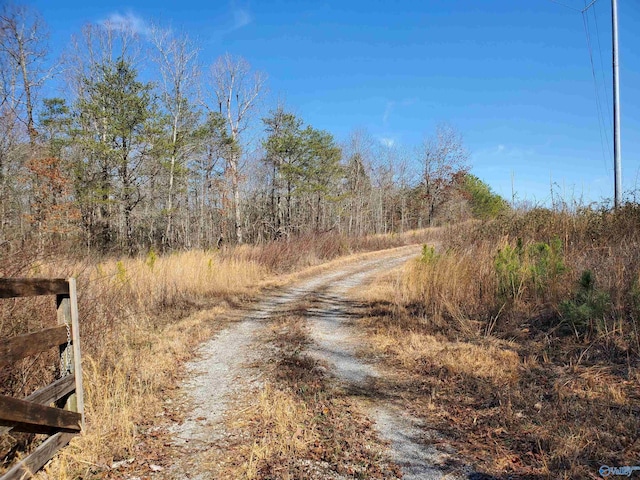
<point x="70" y="353"/>
<point x="77" y="359"/>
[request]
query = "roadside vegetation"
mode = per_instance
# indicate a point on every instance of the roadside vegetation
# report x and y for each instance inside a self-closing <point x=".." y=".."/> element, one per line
<point x="519" y="339"/>
<point x="141" y="319"/>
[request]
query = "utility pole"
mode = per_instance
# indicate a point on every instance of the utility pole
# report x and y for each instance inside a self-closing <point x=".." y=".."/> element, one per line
<point x="616" y="108"/>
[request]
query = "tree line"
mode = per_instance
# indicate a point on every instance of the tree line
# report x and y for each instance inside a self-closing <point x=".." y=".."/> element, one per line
<point x="148" y="148"/>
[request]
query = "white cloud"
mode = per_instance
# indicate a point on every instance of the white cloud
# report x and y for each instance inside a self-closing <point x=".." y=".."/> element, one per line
<point x="237" y="18"/>
<point x="387" y="111"/>
<point x="387" y="142"/>
<point x="392" y="104"/>
<point x="241" y="18"/>
<point x="129" y="21"/>
<point x="509" y="152"/>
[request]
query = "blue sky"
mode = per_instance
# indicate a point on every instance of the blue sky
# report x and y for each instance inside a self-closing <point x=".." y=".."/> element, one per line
<point x="513" y="76"/>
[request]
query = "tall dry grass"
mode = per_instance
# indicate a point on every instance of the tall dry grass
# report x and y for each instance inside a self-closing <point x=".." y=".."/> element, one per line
<point x="519" y="338"/>
<point x="141" y="318"/>
<point x="527" y="269"/>
<point x="287" y="255"/>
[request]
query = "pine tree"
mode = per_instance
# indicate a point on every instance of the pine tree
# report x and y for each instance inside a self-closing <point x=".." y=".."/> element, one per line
<point x="284" y="150"/>
<point x="117" y="129"/>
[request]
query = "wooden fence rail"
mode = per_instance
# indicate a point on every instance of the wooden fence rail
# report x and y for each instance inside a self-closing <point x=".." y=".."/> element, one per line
<point x="57" y="409"/>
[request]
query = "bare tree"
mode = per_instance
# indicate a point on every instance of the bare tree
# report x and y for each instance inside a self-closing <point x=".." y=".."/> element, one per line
<point x="176" y="58"/>
<point x="237" y="90"/>
<point x="99" y="44"/>
<point x="23" y="50"/>
<point x="207" y="169"/>
<point x="444" y="157"/>
<point x="13" y="154"/>
<point x="359" y="152"/>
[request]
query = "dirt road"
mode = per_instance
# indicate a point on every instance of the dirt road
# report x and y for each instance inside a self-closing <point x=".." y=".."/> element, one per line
<point x="228" y="372"/>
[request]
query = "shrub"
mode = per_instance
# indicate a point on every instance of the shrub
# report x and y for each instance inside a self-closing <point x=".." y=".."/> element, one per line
<point x="510" y="272"/>
<point x="547" y="264"/>
<point x="152" y="257"/>
<point x="535" y="269"/>
<point x="428" y="255"/>
<point x="586" y="311"/>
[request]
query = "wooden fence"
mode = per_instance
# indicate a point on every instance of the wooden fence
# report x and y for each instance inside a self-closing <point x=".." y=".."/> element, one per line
<point x="34" y="414"/>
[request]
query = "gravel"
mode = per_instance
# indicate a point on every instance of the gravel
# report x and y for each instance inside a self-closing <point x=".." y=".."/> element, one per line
<point x="336" y="341"/>
<point x="225" y="370"/>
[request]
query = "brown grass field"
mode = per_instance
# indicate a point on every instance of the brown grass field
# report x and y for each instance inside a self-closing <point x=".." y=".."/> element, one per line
<point x="141" y="320"/>
<point x="506" y="345"/>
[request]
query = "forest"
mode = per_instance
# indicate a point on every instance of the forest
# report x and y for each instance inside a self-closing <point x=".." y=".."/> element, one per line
<point x="143" y="147"/>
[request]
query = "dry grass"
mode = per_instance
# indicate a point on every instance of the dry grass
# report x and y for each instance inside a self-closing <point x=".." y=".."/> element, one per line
<point x="302" y="426"/>
<point x="529" y="375"/>
<point x="605" y="243"/>
<point x="282" y="421"/>
<point x="419" y="351"/>
<point x="510" y="408"/>
<point x="285" y="256"/>
<point x="141" y="318"/>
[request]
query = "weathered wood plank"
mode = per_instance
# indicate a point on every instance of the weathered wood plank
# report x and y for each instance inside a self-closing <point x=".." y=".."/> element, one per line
<point x="77" y="357"/>
<point x="63" y="303"/>
<point x="15" y="348"/>
<point x="54" y="391"/>
<point x="30" y="287"/>
<point x="49" y="394"/>
<point x="29" y="465"/>
<point x="26" y="416"/>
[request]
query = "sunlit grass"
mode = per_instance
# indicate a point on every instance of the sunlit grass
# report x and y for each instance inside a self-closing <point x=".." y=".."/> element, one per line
<point x="142" y="317"/>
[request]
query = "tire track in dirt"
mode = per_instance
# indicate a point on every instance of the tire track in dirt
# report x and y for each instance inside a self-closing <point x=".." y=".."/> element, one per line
<point x="221" y="374"/>
<point x="337" y="342"/>
<point x="225" y="371"/>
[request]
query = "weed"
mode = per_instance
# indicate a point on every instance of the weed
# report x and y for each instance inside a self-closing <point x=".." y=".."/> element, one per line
<point x="428" y="254"/>
<point x="634" y="297"/>
<point x="586" y="311"/>
<point x="152" y="258"/>
<point x="121" y="273"/>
